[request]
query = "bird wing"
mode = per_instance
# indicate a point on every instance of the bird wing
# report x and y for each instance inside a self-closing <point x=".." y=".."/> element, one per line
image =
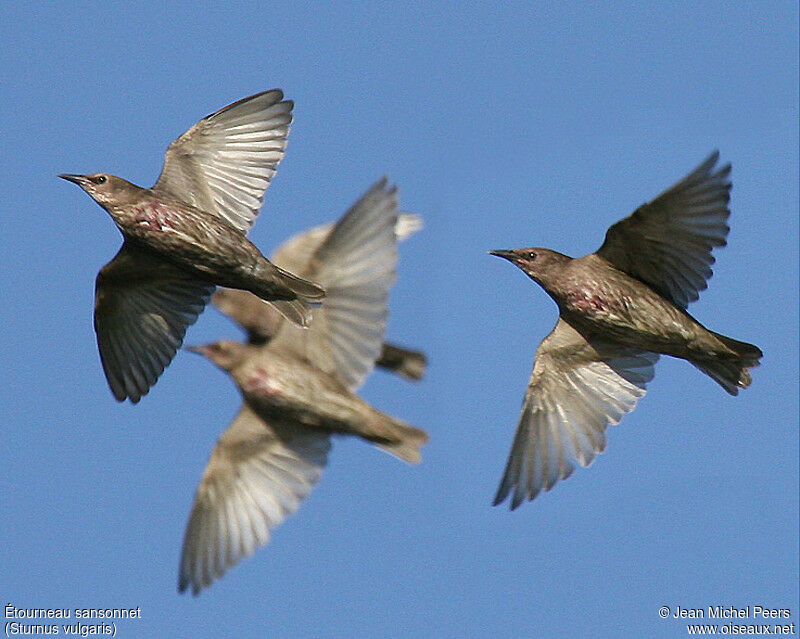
<point x="260" y="320"/>
<point x="355" y="264"/>
<point x="576" y="389"/>
<point x="257" y="475"/>
<point x="295" y="254"/>
<point x="667" y="243"/>
<point x="143" y="306"/>
<point x="408" y="224"/>
<point x="225" y="162"/>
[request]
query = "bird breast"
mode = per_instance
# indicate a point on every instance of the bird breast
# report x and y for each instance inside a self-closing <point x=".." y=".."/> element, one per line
<point x="154" y="216"/>
<point x="590" y="297"/>
<point x="597" y="303"/>
<point x="260" y="383"/>
<point x="587" y="302"/>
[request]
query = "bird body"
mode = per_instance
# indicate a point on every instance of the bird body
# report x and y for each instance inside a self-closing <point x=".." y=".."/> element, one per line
<point x="298" y="389"/>
<point x="279" y="385"/>
<point x="206" y="246"/>
<point x="186" y="235"/>
<point x="597" y="298"/>
<point x="619" y="309"/>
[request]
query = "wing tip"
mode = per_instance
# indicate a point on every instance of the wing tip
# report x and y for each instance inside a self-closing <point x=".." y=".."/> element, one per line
<point x="407" y="224"/>
<point x="722" y="172"/>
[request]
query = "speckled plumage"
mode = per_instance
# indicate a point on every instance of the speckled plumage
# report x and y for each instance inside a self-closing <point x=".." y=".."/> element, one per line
<point x="206" y="246"/>
<point x="619" y="309"/>
<point x="278" y="385"/>
<point x="186" y="235"/>
<point x="597" y="298"/>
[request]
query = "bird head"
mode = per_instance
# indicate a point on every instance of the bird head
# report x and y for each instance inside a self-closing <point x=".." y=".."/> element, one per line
<point x="226" y="354"/>
<point x="106" y="190"/>
<point x="536" y="263"/>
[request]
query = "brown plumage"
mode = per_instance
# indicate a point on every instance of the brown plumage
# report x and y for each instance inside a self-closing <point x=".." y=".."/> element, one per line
<point x="262" y="321"/>
<point x="619" y="308"/>
<point x="186" y="235"/>
<point x="298" y="390"/>
<point x="279" y="386"/>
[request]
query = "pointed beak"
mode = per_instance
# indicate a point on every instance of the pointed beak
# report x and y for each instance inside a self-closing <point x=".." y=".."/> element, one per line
<point x="200" y="350"/>
<point x="77" y="179"/>
<point x="506" y="255"/>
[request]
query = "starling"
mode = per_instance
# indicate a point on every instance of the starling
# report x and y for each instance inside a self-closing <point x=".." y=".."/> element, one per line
<point x="619" y="308"/>
<point x="298" y="390"/>
<point x="261" y="321"/>
<point x="186" y="235"/>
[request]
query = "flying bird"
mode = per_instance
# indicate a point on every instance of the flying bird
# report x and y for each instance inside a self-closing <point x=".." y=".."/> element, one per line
<point x="261" y="321"/>
<point x="619" y="309"/>
<point x="298" y="390"/>
<point x="185" y="235"/>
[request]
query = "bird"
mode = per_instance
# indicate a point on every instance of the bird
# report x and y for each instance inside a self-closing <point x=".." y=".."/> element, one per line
<point x="261" y="321"/>
<point x="298" y="390"/>
<point x="185" y="235"/>
<point x="619" y="309"/>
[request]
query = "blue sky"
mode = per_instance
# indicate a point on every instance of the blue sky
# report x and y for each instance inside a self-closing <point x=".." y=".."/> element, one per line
<point x="532" y="124"/>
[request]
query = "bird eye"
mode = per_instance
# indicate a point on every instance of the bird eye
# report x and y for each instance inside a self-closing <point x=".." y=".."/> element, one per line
<point x="100" y="179"/>
<point x="531" y="255"/>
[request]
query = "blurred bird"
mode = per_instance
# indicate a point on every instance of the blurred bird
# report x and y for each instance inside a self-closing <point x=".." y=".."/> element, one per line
<point x="261" y="321"/>
<point x="186" y="235"/>
<point x="619" y="308"/>
<point x="298" y="390"/>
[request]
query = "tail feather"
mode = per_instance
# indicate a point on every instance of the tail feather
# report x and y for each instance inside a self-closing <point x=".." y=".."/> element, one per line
<point x="730" y="369"/>
<point x="406" y="442"/>
<point x="403" y="361"/>
<point x="302" y="288"/>
<point x="296" y="311"/>
<point x="307" y="294"/>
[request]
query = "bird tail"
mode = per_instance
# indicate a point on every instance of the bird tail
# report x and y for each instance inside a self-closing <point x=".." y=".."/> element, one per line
<point x="401" y="440"/>
<point x="304" y="289"/>
<point x="730" y="367"/>
<point x="296" y="311"/>
<point x="306" y="294"/>
<point x="403" y="361"/>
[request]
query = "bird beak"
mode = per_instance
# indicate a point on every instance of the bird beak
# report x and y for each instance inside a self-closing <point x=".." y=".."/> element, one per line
<point x="77" y="179"/>
<point x="200" y="350"/>
<point x="511" y="256"/>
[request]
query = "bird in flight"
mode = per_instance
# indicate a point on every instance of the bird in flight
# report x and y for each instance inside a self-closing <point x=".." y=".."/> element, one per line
<point x="298" y="390"/>
<point x="261" y="321"/>
<point x="619" y="309"/>
<point x="185" y="235"/>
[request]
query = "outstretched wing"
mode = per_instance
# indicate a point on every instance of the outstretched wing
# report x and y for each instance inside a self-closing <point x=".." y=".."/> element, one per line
<point x="576" y="389"/>
<point x="295" y="254"/>
<point x="143" y="306"/>
<point x="257" y="475"/>
<point x="225" y="162"/>
<point x="667" y="243"/>
<point x="355" y="264"/>
<point x="262" y="321"/>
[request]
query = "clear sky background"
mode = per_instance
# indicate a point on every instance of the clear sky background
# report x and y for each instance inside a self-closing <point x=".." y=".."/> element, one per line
<point x="528" y="125"/>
